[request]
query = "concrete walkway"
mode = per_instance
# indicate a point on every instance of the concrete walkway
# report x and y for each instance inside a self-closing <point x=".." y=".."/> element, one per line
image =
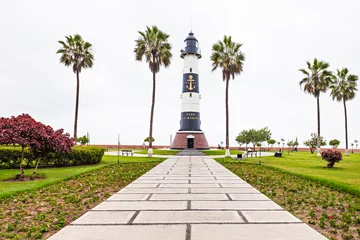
<point x="188" y="198"/>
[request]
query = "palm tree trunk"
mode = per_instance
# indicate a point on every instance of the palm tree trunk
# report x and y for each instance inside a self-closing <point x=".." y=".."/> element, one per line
<point x="227" y="152"/>
<point x="152" y="114"/>
<point x="318" y="121"/>
<point x="76" y="104"/>
<point x="346" y="131"/>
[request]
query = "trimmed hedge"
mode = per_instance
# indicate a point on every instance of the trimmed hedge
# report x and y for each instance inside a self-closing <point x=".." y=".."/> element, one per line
<point x="81" y="155"/>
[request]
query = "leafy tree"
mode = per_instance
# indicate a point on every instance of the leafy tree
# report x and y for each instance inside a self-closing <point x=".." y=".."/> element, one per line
<point x="51" y="142"/>
<point x="26" y="132"/>
<point x="83" y="140"/>
<point x="271" y="142"/>
<point x="78" y="54"/>
<point x="243" y="138"/>
<point x="259" y="136"/>
<point x="312" y="142"/>
<point x="352" y="147"/>
<point x="153" y="45"/>
<point x="356" y="143"/>
<point x="343" y="88"/>
<point x="290" y="144"/>
<point x="317" y="79"/>
<point x="227" y="55"/>
<point x="334" y="142"/>
<point x="148" y="139"/>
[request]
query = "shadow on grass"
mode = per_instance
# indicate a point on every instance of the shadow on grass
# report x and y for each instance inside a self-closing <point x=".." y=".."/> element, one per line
<point x="330" y="169"/>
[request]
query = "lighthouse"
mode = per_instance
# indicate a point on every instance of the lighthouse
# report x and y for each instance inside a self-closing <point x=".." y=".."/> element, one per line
<point x="190" y="135"/>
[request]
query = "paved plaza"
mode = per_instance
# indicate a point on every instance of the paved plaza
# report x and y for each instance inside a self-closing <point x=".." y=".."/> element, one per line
<point x="188" y="198"/>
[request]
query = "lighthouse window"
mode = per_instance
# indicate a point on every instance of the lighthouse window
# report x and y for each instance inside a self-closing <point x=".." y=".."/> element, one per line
<point x="190" y="69"/>
<point x="190" y="94"/>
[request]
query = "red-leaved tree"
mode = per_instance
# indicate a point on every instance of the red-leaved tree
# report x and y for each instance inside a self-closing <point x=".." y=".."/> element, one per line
<point x="27" y="132"/>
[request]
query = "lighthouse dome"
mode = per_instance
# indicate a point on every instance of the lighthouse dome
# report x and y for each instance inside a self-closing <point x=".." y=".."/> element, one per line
<point x="191" y="46"/>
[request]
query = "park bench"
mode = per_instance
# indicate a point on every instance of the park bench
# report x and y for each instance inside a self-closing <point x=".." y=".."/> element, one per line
<point x="252" y="153"/>
<point x="127" y="152"/>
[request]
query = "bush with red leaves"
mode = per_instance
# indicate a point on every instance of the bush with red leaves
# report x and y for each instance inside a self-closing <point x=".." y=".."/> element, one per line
<point x="331" y="156"/>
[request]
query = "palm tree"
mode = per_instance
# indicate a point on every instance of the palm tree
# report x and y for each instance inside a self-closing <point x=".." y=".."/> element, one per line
<point x="153" y="45"/>
<point x="343" y="89"/>
<point x="228" y="56"/>
<point x="77" y="53"/>
<point x="317" y="79"/>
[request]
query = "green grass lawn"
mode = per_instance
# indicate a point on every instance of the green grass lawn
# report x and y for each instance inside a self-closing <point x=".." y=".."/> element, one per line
<point x="157" y="152"/>
<point x="344" y="176"/>
<point x="54" y="175"/>
<point x="219" y="152"/>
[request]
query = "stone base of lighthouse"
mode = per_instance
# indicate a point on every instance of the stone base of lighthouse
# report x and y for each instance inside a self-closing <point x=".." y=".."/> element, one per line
<point x="190" y="140"/>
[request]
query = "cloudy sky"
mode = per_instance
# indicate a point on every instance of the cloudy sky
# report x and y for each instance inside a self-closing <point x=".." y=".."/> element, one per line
<point x="279" y="36"/>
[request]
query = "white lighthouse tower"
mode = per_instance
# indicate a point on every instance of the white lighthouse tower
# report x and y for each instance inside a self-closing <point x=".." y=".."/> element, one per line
<point x="190" y="135"/>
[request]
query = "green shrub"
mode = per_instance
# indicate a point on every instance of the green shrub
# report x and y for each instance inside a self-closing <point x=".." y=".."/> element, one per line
<point x="81" y="155"/>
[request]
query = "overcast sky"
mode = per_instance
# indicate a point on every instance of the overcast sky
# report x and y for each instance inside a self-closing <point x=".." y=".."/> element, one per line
<point x="279" y="36"/>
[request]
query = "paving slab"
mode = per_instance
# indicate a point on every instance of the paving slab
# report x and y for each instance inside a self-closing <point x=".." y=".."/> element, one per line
<point x="249" y="197"/>
<point x="269" y="216"/>
<point x="199" y="185"/>
<point x="188" y="217"/>
<point x="188" y="196"/>
<point x="225" y="190"/>
<point x="154" y="190"/>
<point x="104" y="218"/>
<point x="254" y="232"/>
<point x="141" y="205"/>
<point x="131" y="232"/>
<point x="128" y="196"/>
<point x="238" y="205"/>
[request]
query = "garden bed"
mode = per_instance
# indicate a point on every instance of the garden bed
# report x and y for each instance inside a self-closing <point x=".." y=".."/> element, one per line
<point x="333" y="213"/>
<point x="39" y="214"/>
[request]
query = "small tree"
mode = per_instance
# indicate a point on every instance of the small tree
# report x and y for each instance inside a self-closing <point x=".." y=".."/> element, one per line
<point x="278" y="144"/>
<point x="26" y="132"/>
<point x="243" y="138"/>
<point x="83" y="140"/>
<point x="283" y="143"/>
<point x="356" y="143"/>
<point x="334" y="143"/>
<point x="352" y="147"/>
<point x="147" y="139"/>
<point x="290" y="144"/>
<point x="51" y="142"/>
<point x="312" y="142"/>
<point x="331" y="156"/>
<point x="271" y="142"/>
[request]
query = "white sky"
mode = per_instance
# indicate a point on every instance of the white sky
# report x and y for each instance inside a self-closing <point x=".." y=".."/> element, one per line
<point x="279" y="36"/>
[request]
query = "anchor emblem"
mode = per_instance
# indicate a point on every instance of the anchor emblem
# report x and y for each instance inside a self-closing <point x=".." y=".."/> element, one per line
<point x="190" y="83"/>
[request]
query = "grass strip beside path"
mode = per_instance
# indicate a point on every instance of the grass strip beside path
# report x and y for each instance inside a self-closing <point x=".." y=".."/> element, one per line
<point x="157" y="152"/>
<point x="333" y="213"/>
<point x="54" y="175"/>
<point x="344" y="176"/>
<point x="39" y="214"/>
<point x="219" y="152"/>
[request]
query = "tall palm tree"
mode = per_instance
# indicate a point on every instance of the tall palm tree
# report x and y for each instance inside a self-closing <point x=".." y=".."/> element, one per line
<point x="343" y="89"/>
<point x="77" y="53"/>
<point x="317" y="79"/>
<point x="153" y="45"/>
<point x="227" y="55"/>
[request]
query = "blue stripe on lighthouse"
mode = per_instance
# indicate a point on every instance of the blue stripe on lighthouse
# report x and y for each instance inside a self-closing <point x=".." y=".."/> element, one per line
<point x="190" y="121"/>
<point x="190" y="82"/>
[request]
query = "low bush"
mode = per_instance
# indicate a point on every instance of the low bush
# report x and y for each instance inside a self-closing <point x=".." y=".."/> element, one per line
<point x="331" y="157"/>
<point x="81" y="155"/>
